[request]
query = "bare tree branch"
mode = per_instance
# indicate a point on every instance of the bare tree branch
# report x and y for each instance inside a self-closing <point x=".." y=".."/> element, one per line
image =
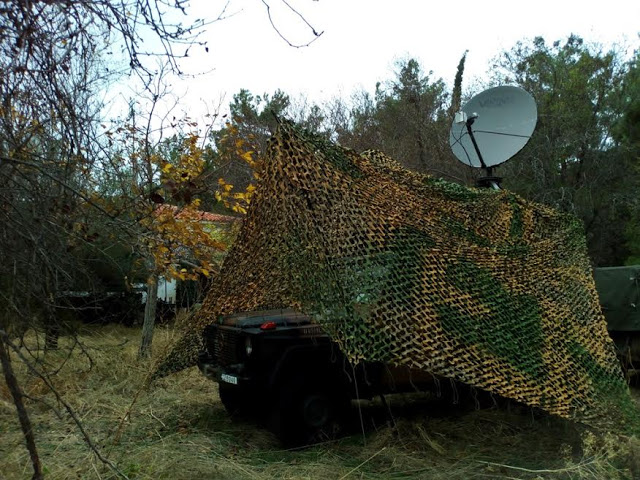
<point x="316" y="35"/>
<point x="23" y="416"/>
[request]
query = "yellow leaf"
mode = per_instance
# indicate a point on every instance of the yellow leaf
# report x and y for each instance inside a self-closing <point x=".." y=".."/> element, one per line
<point x="239" y="209"/>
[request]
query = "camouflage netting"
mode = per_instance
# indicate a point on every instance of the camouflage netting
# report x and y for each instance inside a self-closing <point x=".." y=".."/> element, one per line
<point x="477" y="285"/>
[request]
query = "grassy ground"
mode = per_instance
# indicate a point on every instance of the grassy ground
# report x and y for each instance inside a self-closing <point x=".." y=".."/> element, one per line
<point x="179" y="430"/>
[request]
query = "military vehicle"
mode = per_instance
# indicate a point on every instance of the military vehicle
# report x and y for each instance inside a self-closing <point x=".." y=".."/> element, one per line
<point x="619" y="292"/>
<point x="281" y="359"/>
<point x="404" y="275"/>
<point x="283" y="367"/>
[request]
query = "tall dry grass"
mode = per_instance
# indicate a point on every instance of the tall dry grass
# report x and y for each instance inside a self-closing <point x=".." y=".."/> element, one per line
<point x="179" y="430"/>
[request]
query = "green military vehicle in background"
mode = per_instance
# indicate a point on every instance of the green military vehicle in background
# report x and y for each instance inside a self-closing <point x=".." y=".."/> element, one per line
<point x="619" y="291"/>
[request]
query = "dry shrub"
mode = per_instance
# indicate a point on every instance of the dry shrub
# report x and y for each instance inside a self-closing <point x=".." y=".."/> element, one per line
<point x="607" y="455"/>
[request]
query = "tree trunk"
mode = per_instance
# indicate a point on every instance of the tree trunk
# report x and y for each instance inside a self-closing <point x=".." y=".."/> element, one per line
<point x="149" y="317"/>
<point x="23" y="416"/>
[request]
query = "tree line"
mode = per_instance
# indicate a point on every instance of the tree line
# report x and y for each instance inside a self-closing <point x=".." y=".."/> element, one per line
<point x="582" y="158"/>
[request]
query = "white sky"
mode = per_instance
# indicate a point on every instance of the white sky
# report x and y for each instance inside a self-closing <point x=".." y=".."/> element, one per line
<point x="363" y="38"/>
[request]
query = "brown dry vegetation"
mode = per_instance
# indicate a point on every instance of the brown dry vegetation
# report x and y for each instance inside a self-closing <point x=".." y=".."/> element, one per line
<point x="179" y="430"/>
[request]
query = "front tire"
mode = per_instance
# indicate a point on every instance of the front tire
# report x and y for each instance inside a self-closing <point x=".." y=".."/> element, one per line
<point x="308" y="411"/>
<point x="237" y="402"/>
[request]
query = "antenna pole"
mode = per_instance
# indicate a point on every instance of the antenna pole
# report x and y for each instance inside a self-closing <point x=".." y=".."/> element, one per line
<point x="469" y="122"/>
<point x="483" y="182"/>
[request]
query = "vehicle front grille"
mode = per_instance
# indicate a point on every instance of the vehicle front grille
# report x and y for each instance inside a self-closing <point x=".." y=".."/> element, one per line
<point x="222" y="345"/>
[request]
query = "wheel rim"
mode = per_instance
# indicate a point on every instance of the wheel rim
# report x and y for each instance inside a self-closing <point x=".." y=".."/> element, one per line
<point x="316" y="410"/>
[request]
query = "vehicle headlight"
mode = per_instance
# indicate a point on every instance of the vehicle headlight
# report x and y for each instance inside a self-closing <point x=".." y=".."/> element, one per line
<point x="248" y="347"/>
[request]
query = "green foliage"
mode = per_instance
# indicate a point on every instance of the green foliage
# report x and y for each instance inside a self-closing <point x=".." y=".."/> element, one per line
<point x="627" y="133"/>
<point x="576" y="160"/>
<point x="257" y="114"/>
<point x="234" y="164"/>
<point x="627" y="130"/>
<point x="456" y="99"/>
<point x="632" y="234"/>
<point x="407" y="118"/>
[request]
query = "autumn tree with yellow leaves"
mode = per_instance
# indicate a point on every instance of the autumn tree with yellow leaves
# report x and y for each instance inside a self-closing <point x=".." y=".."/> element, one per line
<point x="153" y="190"/>
<point x="177" y="243"/>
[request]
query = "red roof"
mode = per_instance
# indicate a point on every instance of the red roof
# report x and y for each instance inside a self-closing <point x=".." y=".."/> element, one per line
<point x="202" y="216"/>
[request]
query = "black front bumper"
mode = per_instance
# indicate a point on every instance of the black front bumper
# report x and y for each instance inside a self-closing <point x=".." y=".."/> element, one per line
<point x="230" y="375"/>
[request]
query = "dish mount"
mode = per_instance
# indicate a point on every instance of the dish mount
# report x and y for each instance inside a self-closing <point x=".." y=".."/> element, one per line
<point x="491" y="128"/>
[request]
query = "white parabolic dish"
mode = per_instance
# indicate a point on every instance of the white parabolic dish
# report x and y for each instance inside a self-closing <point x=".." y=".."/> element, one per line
<point x="506" y="118"/>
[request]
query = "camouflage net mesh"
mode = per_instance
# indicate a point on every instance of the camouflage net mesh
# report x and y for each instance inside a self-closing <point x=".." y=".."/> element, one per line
<point x="476" y="285"/>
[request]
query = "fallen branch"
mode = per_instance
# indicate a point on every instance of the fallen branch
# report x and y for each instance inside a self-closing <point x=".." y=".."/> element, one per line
<point x="23" y="416"/>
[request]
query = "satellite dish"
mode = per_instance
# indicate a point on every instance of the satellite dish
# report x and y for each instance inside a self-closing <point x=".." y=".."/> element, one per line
<point x="492" y="127"/>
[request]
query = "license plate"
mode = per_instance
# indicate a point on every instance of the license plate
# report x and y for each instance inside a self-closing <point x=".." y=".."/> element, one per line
<point x="225" y="377"/>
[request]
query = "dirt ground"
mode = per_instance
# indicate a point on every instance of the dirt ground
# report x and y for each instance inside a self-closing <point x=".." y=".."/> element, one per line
<point x="179" y="430"/>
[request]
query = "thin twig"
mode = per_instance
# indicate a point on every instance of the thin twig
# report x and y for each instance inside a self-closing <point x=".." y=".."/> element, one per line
<point x="57" y="412"/>
<point x="156" y="418"/>
<point x="367" y="460"/>
<point x="528" y="470"/>
<point x="60" y="182"/>
<point x="273" y="25"/>
<point x="303" y="18"/>
<point x="127" y="414"/>
<point x="96" y="470"/>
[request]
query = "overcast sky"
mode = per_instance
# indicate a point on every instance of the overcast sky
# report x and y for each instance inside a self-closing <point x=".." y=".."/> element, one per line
<point x="362" y="38"/>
